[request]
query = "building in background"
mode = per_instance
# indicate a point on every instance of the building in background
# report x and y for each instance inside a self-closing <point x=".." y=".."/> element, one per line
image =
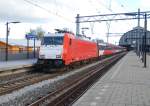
<point x="17" y="49"/>
<point x="14" y="48"/>
<point x="133" y="39"/>
<point x="17" y="45"/>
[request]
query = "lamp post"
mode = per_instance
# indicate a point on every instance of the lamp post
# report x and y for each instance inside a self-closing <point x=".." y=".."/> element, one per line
<point x="7" y="34"/>
<point x="145" y="36"/>
<point x="77" y="25"/>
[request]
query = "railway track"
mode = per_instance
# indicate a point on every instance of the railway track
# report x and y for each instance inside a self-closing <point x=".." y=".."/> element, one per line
<point x="14" y="71"/>
<point x="17" y="81"/>
<point x="9" y="83"/>
<point x="27" y="80"/>
<point x="68" y="93"/>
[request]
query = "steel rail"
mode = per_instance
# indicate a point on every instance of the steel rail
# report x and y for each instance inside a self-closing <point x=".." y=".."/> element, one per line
<point x="20" y="83"/>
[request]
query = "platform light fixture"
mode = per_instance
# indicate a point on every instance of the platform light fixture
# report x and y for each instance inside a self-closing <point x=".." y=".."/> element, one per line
<point x="7" y="34"/>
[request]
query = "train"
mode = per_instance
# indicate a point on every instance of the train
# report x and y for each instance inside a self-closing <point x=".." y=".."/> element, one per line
<point x="63" y="48"/>
<point x="106" y="49"/>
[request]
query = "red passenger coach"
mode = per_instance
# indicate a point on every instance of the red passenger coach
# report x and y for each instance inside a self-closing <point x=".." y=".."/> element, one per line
<point x="108" y="49"/>
<point x="76" y="49"/>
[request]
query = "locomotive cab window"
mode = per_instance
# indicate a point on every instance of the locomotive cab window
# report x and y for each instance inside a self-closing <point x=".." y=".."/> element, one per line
<point x="52" y="40"/>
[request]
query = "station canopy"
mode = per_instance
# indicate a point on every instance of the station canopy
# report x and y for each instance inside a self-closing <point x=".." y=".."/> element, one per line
<point x="134" y="37"/>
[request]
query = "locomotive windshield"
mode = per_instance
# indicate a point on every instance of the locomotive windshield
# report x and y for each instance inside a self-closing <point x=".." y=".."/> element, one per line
<point x="52" y="40"/>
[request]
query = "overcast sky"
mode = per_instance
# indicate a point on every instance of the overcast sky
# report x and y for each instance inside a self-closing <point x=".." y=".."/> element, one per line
<point x="51" y="14"/>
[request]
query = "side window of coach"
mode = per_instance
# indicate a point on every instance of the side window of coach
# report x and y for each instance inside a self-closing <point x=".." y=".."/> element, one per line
<point x="70" y="41"/>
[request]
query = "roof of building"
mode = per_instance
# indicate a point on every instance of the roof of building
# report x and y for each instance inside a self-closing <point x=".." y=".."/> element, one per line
<point x="20" y="42"/>
<point x="133" y="36"/>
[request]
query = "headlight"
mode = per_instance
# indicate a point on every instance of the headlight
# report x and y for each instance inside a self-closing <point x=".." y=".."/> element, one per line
<point x="58" y="56"/>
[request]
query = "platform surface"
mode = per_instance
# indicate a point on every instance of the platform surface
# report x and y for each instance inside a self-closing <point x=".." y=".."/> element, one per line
<point x="127" y="83"/>
<point x="8" y="65"/>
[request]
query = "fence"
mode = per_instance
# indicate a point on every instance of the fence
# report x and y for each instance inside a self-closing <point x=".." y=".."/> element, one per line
<point x="17" y="55"/>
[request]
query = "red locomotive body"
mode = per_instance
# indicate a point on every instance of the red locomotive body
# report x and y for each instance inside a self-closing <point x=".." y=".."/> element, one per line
<point x="64" y="49"/>
<point x="76" y="49"/>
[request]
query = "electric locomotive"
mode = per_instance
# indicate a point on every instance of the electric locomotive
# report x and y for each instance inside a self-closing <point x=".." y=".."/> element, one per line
<point x="64" y="48"/>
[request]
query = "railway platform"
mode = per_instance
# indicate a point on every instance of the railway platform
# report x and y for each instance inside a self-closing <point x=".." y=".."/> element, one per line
<point x="127" y="83"/>
<point x="10" y="65"/>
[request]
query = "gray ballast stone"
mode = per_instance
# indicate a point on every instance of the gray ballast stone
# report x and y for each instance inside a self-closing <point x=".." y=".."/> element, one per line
<point x="30" y="93"/>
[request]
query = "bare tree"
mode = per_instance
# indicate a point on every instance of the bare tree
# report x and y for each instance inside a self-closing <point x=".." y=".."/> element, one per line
<point x="39" y="32"/>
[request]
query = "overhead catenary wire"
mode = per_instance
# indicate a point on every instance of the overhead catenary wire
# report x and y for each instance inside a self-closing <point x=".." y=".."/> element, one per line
<point x="105" y="6"/>
<point x="47" y="10"/>
<point x="122" y="5"/>
<point x="109" y="9"/>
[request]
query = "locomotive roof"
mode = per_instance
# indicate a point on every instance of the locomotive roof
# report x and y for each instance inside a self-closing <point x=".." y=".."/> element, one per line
<point x="54" y="34"/>
<point x="62" y="34"/>
<point x="103" y="44"/>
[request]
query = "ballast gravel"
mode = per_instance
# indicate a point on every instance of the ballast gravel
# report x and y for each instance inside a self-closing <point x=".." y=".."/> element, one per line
<point x="30" y="93"/>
